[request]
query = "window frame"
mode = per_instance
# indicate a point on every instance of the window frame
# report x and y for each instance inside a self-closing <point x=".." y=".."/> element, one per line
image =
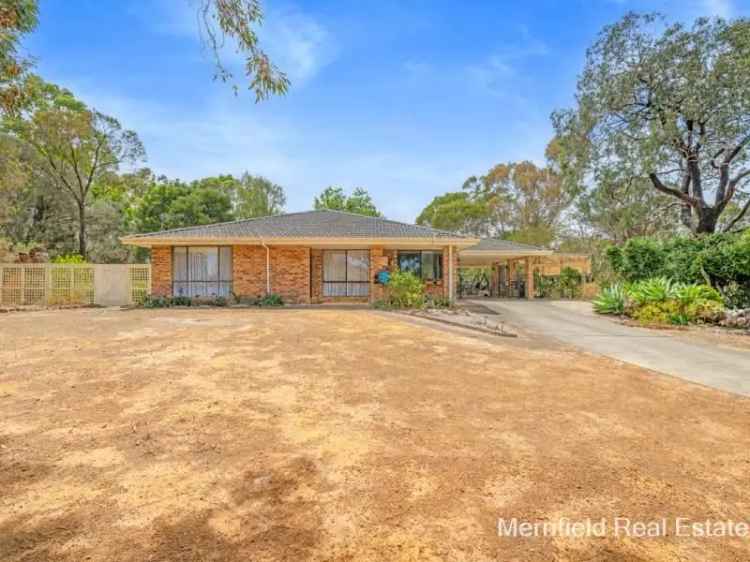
<point x="346" y="282"/>
<point x="187" y="282"/>
<point x="421" y="275"/>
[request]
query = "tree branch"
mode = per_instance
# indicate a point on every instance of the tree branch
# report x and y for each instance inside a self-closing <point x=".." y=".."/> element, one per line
<point x="738" y="218"/>
<point x="657" y="183"/>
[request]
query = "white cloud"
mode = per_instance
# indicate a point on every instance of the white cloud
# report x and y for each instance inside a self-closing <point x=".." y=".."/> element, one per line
<point x="296" y="42"/>
<point x="720" y="8"/>
<point x="503" y="64"/>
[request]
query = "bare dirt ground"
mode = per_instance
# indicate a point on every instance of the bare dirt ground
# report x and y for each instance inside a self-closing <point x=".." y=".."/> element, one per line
<point x="213" y="435"/>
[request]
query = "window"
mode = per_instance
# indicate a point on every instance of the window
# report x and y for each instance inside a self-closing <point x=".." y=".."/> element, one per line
<point x="202" y="271"/>
<point x="427" y="265"/>
<point x="346" y="273"/>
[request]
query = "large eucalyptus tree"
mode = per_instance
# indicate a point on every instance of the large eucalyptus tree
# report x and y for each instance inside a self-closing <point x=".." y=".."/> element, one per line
<point x="670" y="105"/>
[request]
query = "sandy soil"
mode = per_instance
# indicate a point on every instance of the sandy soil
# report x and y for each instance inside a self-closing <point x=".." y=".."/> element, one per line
<point x="212" y="435"/>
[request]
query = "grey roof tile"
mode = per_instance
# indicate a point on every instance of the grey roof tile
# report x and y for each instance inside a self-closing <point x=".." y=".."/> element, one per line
<point x="309" y="224"/>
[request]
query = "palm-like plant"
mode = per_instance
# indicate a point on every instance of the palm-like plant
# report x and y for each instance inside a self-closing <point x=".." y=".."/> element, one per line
<point x="611" y="300"/>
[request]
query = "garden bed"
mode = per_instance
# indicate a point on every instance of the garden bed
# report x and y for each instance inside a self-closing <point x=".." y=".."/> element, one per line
<point x="464" y="319"/>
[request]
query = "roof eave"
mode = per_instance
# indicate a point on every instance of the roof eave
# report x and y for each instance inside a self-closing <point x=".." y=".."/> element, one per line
<point x="150" y="241"/>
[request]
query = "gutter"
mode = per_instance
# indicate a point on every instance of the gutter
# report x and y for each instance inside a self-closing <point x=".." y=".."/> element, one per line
<point x="268" y="267"/>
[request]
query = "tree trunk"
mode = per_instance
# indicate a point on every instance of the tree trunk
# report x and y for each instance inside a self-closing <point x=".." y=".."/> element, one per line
<point x="707" y="219"/>
<point x="82" y="230"/>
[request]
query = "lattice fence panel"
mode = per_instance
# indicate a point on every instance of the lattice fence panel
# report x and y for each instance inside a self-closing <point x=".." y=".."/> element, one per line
<point x="71" y="284"/>
<point x="139" y="277"/>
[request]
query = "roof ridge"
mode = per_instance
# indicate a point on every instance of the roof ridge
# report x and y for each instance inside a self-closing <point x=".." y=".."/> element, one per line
<point x="386" y="219"/>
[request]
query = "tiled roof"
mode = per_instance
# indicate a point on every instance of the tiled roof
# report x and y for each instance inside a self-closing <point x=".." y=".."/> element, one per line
<point x="497" y="245"/>
<point x="310" y="224"/>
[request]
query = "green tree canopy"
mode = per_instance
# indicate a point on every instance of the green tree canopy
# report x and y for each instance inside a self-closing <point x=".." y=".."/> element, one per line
<point x="257" y="196"/>
<point x="359" y="202"/>
<point x="456" y="212"/>
<point x="77" y="147"/>
<point x="672" y="108"/>
<point x="17" y="18"/>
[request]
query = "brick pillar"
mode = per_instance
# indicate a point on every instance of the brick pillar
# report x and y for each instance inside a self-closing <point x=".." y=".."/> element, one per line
<point x="378" y="261"/>
<point x="161" y="271"/>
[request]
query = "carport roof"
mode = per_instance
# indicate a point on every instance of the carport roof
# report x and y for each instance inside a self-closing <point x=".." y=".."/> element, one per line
<point x="490" y="250"/>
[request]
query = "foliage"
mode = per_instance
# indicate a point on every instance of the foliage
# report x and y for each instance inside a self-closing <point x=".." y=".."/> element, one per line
<point x="156" y="301"/>
<point x="237" y="21"/>
<point x="455" y="212"/>
<point x="17" y="19"/>
<point x="257" y="196"/>
<point x="653" y="290"/>
<point x="671" y="108"/>
<point x="438" y="301"/>
<point x="405" y="290"/>
<point x="523" y="200"/>
<point x="721" y="260"/>
<point x="271" y="299"/>
<point x="619" y="208"/>
<point x="69" y="258"/>
<point x="77" y="148"/>
<point x="570" y="282"/>
<point x="611" y="300"/>
<point x="663" y="312"/>
<point x="359" y="202"/>
<point x="661" y="301"/>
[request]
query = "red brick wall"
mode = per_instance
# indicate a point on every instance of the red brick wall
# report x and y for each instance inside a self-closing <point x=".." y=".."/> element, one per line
<point x="293" y="269"/>
<point x="161" y="271"/>
<point x="290" y="273"/>
<point x="316" y="263"/>
<point x="249" y="271"/>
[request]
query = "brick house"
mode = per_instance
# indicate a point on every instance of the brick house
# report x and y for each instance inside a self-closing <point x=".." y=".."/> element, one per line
<point x="309" y="257"/>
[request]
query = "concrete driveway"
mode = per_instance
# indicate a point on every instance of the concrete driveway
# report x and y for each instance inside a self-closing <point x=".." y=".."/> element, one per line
<point x="576" y="324"/>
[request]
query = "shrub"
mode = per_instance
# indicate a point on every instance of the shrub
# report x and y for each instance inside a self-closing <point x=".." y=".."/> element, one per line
<point x="155" y="301"/>
<point x="405" y="290"/>
<point x="272" y="299"/>
<point x="438" y="302"/>
<point x="611" y="300"/>
<point x="570" y="282"/>
<point x="657" y="312"/>
<point x="69" y="258"/>
<point x="655" y="290"/>
<point x="182" y="301"/>
<point x="689" y="294"/>
<point x="721" y="260"/>
<point x="708" y="311"/>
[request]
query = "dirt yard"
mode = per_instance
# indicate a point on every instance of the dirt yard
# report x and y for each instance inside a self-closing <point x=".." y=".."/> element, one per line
<point x="213" y="435"/>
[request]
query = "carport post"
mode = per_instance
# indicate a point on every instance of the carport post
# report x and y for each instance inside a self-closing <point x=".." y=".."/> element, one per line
<point x="529" y="279"/>
<point x="450" y="274"/>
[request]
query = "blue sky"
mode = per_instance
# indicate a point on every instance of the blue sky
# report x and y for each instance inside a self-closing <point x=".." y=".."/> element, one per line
<point x="404" y="98"/>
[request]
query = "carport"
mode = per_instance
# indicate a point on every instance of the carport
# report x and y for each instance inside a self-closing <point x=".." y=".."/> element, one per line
<point x="511" y="265"/>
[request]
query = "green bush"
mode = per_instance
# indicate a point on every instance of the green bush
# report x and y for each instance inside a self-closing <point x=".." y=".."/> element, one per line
<point x="272" y="299"/>
<point x="655" y="290"/>
<point x="405" y="290"/>
<point x="660" y="301"/>
<point x="570" y="282"/>
<point x="438" y="302"/>
<point x="69" y="258"/>
<point x="721" y="260"/>
<point x="155" y="301"/>
<point x="611" y="300"/>
<point x="657" y="312"/>
<point x="182" y="301"/>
